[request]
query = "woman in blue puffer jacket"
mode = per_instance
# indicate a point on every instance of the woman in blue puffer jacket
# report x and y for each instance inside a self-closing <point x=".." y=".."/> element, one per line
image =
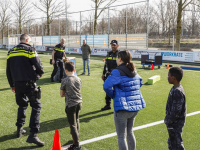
<point x="123" y="86"/>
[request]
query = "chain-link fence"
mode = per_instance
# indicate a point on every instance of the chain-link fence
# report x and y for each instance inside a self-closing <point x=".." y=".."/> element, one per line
<point x="126" y="23"/>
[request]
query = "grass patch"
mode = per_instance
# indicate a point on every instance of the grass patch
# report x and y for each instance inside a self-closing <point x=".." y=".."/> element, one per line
<point x="94" y="122"/>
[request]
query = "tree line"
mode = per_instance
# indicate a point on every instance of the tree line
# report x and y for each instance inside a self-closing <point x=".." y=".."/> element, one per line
<point x="166" y="17"/>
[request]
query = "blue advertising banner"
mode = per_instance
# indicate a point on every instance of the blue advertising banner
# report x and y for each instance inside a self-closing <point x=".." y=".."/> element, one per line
<point x="50" y="39"/>
<point x="96" y="39"/>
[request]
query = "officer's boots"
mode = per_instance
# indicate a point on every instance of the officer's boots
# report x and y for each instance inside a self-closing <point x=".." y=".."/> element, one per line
<point x="20" y="132"/>
<point x="33" y="138"/>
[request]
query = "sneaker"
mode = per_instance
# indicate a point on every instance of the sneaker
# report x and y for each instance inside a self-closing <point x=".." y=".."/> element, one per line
<point x="88" y="74"/>
<point x="20" y="132"/>
<point x="83" y="73"/>
<point x="71" y="147"/>
<point x="107" y="107"/>
<point x="33" y="138"/>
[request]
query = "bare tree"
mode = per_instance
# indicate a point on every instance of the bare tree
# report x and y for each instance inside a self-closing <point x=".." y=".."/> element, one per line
<point x="22" y="11"/>
<point x="5" y="15"/>
<point x="50" y="8"/>
<point x="182" y="4"/>
<point x="100" y="4"/>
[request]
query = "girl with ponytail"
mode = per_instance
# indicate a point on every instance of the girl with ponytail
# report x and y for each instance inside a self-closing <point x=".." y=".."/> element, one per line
<point x="123" y="86"/>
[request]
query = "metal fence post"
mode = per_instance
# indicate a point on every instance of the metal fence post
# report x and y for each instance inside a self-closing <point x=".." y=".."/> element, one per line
<point x="59" y="26"/>
<point x="8" y="38"/>
<point x="42" y="31"/>
<point x="108" y="25"/>
<point x="66" y="15"/>
<point x="93" y="32"/>
<point x="173" y="42"/>
<point x="80" y="28"/>
<point x="147" y="24"/>
<point x="50" y="34"/>
<point x="126" y="28"/>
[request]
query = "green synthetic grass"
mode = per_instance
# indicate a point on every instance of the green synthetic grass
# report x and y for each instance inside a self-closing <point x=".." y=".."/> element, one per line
<point x="95" y="123"/>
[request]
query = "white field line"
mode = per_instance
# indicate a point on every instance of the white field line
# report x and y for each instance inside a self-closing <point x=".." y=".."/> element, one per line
<point x="134" y="129"/>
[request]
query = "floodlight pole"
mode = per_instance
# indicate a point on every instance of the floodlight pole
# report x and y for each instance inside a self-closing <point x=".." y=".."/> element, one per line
<point x="147" y="23"/>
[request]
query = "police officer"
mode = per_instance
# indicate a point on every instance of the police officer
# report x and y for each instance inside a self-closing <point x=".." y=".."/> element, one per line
<point x="23" y="70"/>
<point x="110" y="64"/>
<point x="57" y="56"/>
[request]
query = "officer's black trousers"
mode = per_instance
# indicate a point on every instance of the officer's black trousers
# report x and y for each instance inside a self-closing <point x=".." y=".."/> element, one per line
<point x="22" y="91"/>
<point x="107" y="98"/>
<point x="56" y="65"/>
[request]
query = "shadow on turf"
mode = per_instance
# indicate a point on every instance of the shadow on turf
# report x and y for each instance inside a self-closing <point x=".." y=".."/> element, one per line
<point x="23" y="148"/>
<point x="54" y="124"/>
<point x="69" y="142"/>
<point x="146" y="83"/>
<point x="60" y="123"/>
<point x="8" y="137"/>
<point x="148" y="68"/>
<point x="5" y="89"/>
<point x="45" y="81"/>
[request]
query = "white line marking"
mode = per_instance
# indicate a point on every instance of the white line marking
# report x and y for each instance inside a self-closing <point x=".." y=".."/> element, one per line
<point x="134" y="129"/>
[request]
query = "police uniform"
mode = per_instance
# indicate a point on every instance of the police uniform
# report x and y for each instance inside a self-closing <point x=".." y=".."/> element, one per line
<point x="58" y="55"/>
<point x="110" y="64"/>
<point x="23" y="70"/>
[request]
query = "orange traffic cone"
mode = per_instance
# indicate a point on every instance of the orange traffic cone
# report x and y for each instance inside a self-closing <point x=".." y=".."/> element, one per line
<point x="103" y="59"/>
<point x="152" y="68"/>
<point x="167" y="65"/>
<point x="56" y="142"/>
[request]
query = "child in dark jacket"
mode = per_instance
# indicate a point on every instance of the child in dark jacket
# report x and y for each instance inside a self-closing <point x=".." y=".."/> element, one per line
<point x="175" y="110"/>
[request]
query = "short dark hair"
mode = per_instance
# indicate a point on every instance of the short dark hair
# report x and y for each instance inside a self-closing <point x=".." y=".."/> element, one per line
<point x="24" y="37"/>
<point x="69" y="66"/>
<point x="177" y="72"/>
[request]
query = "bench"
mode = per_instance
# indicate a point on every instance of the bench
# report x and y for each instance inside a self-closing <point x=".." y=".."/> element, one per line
<point x="156" y="62"/>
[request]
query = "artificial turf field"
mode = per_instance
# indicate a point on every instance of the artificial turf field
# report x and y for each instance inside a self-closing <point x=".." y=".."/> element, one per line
<point x="93" y="122"/>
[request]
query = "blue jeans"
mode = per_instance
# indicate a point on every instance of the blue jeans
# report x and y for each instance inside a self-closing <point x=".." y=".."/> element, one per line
<point x="124" y="122"/>
<point x="88" y="65"/>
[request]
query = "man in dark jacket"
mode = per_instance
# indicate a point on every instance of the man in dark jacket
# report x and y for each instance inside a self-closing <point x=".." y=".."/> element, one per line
<point x="57" y="59"/>
<point x="23" y="70"/>
<point x="86" y="51"/>
<point x="110" y="64"/>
